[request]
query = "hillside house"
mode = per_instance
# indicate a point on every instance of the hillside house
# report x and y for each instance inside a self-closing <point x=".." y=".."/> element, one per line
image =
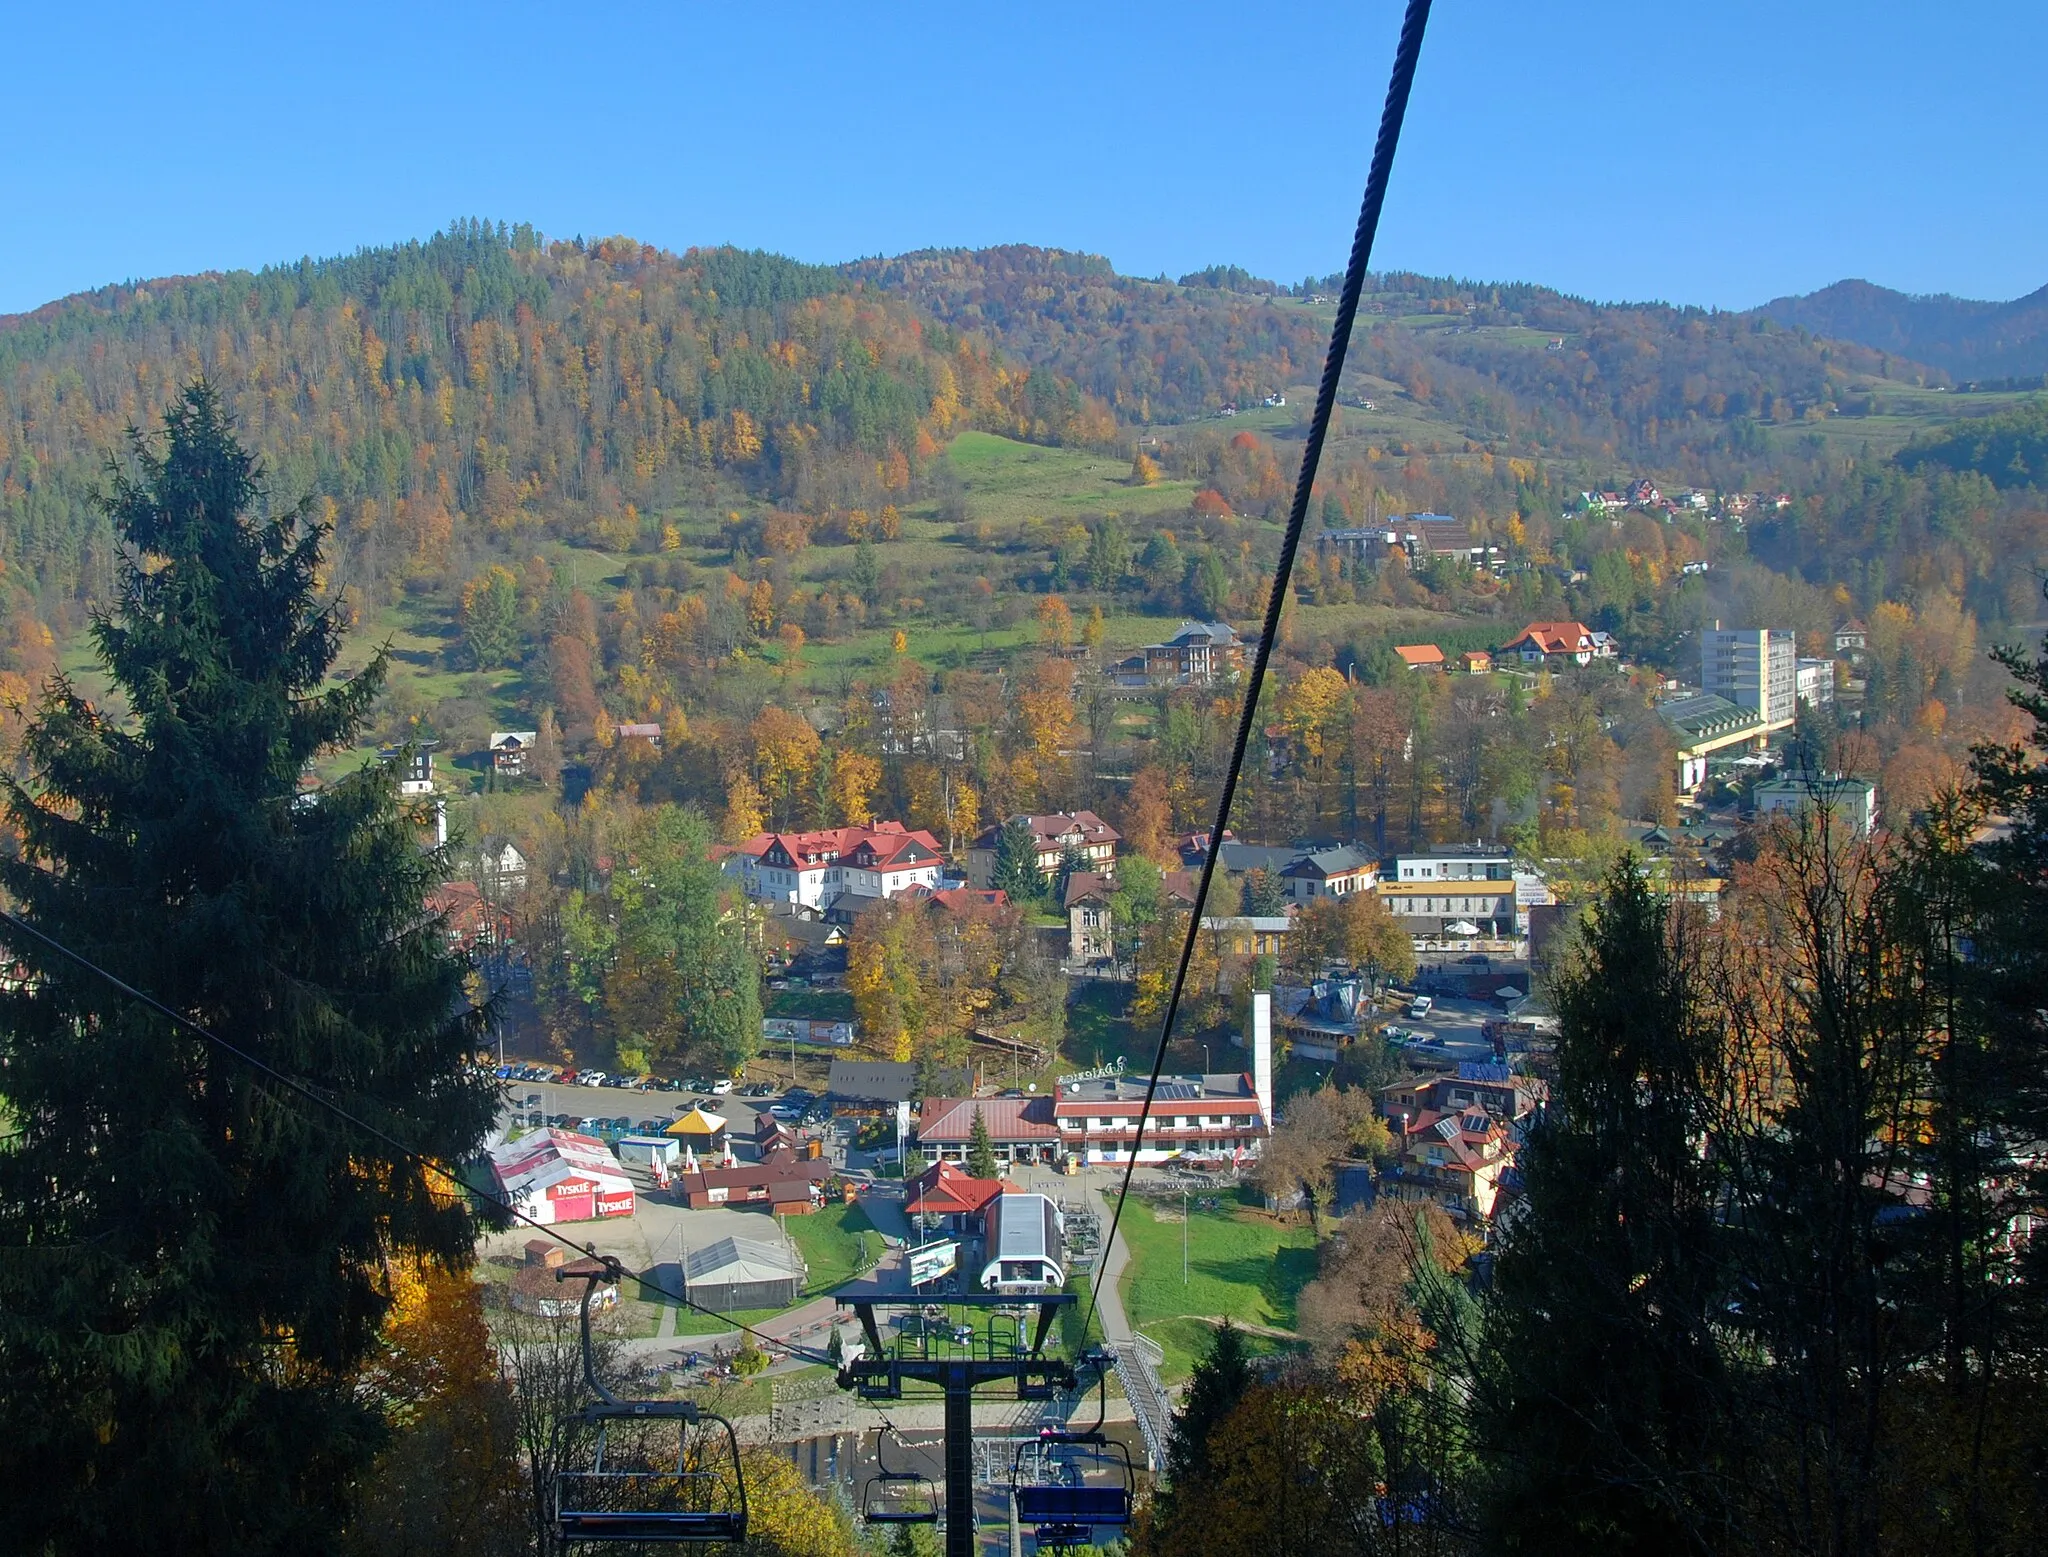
<point x="1090" y="935"/>
<point x="1476" y="662"/>
<point x="1200" y="654"/>
<point x="509" y="750"/>
<point x="1556" y="643"/>
<point x="1420" y="656"/>
<point x="1085" y="833"/>
<point x="818" y="871"/>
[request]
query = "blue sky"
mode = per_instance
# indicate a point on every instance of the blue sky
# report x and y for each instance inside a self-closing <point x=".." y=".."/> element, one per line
<point x="1719" y="153"/>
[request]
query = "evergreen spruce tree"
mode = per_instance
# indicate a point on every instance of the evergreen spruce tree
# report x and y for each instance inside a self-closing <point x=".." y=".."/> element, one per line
<point x="1599" y="1399"/>
<point x="199" y="1259"/>
<point x="1215" y="1387"/>
<point x="981" y="1149"/>
<point x="1016" y="863"/>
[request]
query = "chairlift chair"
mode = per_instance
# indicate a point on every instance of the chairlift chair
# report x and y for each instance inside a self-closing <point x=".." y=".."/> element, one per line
<point x="1084" y="1480"/>
<point x="692" y="1503"/>
<point x="892" y="1497"/>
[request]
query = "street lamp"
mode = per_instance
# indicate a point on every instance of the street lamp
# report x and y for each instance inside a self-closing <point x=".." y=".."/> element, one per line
<point x="1183" y="1237"/>
<point x="1205" y="1060"/>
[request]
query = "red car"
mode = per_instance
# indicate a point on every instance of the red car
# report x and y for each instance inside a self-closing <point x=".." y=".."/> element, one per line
<point x="567" y="1078"/>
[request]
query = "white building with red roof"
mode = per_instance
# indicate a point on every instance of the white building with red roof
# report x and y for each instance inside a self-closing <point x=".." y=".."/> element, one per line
<point x="560" y="1176"/>
<point x="814" y="870"/>
<point x="1559" y="643"/>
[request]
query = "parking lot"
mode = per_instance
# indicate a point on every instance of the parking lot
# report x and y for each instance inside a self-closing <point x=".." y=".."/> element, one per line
<point x="598" y="1110"/>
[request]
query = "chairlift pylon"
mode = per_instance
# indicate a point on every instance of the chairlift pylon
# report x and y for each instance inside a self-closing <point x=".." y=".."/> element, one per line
<point x="1065" y="1513"/>
<point x="892" y="1497"/>
<point x="690" y="1504"/>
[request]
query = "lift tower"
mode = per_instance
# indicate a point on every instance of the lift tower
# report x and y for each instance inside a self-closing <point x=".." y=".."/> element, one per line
<point x="995" y="1352"/>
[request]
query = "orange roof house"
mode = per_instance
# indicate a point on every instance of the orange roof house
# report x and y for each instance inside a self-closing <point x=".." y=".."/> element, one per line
<point x="1420" y="656"/>
<point x="1553" y="643"/>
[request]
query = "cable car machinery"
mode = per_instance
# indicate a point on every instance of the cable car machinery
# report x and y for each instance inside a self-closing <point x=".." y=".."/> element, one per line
<point x="957" y="1370"/>
<point x="1061" y="1504"/>
<point x="694" y="1503"/>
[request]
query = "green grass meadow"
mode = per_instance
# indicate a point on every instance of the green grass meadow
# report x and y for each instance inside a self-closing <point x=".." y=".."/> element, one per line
<point x="1242" y="1263"/>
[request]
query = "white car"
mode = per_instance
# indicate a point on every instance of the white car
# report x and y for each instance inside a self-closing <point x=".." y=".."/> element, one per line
<point x="1419" y="1007"/>
<point x="592" y="1078"/>
<point x="722" y="1086"/>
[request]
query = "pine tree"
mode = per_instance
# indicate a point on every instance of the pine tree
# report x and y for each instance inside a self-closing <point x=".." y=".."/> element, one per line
<point x="1016" y="863"/>
<point x="200" y="1258"/>
<point x="1215" y="1387"/>
<point x="1600" y="1400"/>
<point x="981" y="1149"/>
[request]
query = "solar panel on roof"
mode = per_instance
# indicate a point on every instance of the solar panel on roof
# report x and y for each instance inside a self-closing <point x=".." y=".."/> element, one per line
<point x="1177" y="1090"/>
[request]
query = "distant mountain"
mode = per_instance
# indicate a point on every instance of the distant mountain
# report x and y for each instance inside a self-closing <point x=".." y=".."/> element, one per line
<point x="1972" y="340"/>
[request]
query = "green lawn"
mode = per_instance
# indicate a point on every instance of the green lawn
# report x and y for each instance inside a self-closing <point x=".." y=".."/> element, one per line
<point x="830" y="1241"/>
<point x="1241" y="1263"/>
<point x="1007" y="480"/>
<point x="818" y="1005"/>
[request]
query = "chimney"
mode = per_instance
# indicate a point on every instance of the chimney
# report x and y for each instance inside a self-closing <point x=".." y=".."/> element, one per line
<point x="1262" y="1051"/>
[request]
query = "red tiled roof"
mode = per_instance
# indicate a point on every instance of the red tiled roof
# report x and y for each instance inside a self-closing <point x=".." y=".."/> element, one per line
<point x="951" y="1120"/>
<point x="945" y="1190"/>
<point x="1556" y="637"/>
<point x="882" y="846"/>
<point x="1419" y="654"/>
<point x="1052" y="826"/>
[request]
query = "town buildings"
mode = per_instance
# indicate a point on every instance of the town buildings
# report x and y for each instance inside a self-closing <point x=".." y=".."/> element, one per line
<point x="1850" y="802"/>
<point x="1814" y="682"/>
<point x="1199" y="655"/>
<point x="1332" y="872"/>
<point x="1093" y="1118"/>
<point x="556" y="1176"/>
<point x="815" y="871"/>
<point x="1754" y="668"/>
<point x="1083" y="833"/>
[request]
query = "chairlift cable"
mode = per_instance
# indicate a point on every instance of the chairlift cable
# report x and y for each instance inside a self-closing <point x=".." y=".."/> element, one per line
<point x="397" y="1148"/>
<point x="1406" y="53"/>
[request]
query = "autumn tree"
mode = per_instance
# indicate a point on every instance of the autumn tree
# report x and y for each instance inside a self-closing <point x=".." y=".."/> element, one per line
<point x="1148" y="818"/>
<point x="658" y="956"/>
<point x="1321" y="1129"/>
<point x="855" y="777"/>
<point x="786" y="754"/>
<point x="448" y="1477"/>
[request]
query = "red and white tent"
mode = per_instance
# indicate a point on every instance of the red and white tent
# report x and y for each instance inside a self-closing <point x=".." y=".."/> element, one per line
<point x="560" y="1176"/>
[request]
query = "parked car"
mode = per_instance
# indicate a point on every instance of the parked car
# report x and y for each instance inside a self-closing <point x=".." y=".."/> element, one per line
<point x="785" y="1110"/>
<point x="534" y="1100"/>
<point x="1419" y="1007"/>
<point x="722" y="1086"/>
<point x="591" y="1078"/>
<point x="568" y="1078"/>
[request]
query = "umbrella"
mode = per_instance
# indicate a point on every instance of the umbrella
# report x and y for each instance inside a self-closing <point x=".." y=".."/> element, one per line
<point x="1462" y="927"/>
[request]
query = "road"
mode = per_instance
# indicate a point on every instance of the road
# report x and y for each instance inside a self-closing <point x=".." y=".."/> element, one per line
<point x="1457" y="1024"/>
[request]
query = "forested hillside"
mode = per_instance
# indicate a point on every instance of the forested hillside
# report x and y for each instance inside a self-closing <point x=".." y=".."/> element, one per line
<point x="1525" y="367"/>
<point x="1960" y="335"/>
<point x="484" y="387"/>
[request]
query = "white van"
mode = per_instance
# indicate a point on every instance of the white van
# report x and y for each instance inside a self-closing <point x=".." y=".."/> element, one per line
<point x="1419" y="1007"/>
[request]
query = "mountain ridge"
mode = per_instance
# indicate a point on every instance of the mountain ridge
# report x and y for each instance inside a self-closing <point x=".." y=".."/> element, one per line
<point x="1967" y="337"/>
